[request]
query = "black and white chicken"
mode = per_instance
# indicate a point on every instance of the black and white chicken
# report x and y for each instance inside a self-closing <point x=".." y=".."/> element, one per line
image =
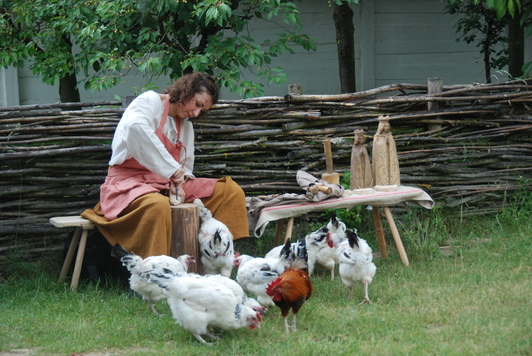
<point x="314" y="242"/>
<point x="356" y="263"/>
<point x="216" y="243"/>
<point x="326" y="256"/>
<point x="254" y="274"/>
<point x="139" y="268"/>
<point x="198" y="306"/>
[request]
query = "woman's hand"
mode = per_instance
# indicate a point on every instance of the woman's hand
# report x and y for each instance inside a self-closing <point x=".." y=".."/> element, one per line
<point x="178" y="176"/>
<point x="177" y="194"/>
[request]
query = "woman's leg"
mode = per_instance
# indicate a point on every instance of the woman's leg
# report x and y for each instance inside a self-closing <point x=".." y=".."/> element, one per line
<point x="144" y="227"/>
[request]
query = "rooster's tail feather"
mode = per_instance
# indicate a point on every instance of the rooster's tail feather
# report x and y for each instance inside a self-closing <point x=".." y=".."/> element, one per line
<point x="128" y="259"/>
<point x="117" y="251"/>
<point x="205" y="214"/>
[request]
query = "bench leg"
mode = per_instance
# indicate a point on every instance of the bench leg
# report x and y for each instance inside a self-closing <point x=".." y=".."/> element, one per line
<point x="380" y="232"/>
<point x="79" y="260"/>
<point x="396" y="237"/>
<point x="70" y="255"/>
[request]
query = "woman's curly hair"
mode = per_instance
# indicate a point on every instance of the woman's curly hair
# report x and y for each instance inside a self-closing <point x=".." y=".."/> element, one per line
<point x="188" y="85"/>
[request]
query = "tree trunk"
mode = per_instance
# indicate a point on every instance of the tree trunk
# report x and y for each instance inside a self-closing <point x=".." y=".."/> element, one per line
<point x="68" y="84"/>
<point x="516" y="48"/>
<point x="345" y="40"/>
<point x="68" y="90"/>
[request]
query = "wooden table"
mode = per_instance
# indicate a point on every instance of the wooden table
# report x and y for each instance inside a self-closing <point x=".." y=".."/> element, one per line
<point x="287" y="212"/>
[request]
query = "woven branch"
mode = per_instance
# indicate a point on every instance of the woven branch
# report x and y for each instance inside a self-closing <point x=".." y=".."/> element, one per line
<point x="53" y="159"/>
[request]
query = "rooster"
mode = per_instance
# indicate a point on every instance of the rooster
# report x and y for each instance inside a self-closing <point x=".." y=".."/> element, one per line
<point x="326" y="256"/>
<point x="198" y="305"/>
<point x="139" y="268"/>
<point x="254" y="274"/>
<point x="314" y="242"/>
<point x="293" y="287"/>
<point x="356" y="263"/>
<point x="216" y="243"/>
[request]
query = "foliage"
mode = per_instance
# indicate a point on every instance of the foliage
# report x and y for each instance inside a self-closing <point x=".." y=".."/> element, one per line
<point x="477" y="19"/>
<point x="519" y="206"/>
<point x="104" y="39"/>
<point x="512" y="8"/>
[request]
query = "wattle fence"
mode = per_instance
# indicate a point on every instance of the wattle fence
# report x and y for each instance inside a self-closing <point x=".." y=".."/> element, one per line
<point x="471" y="150"/>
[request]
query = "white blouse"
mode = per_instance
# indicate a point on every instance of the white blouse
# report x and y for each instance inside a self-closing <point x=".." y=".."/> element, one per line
<point x="135" y="137"/>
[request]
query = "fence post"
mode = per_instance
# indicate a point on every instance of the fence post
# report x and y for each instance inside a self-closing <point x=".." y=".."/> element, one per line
<point x="126" y="100"/>
<point x="434" y="85"/>
<point x="295" y="89"/>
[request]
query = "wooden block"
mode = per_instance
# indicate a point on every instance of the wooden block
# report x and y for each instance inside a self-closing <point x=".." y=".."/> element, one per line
<point x="185" y="229"/>
<point x="331" y="178"/>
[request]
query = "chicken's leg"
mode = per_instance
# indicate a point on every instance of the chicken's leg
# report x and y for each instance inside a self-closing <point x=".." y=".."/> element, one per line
<point x="294" y="323"/>
<point x="366" y="297"/>
<point x="200" y="339"/>
<point x="287" y="328"/>
<point x="150" y="304"/>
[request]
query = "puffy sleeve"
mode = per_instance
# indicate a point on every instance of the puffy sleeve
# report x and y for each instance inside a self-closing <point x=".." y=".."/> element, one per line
<point x="187" y="155"/>
<point x="135" y="137"/>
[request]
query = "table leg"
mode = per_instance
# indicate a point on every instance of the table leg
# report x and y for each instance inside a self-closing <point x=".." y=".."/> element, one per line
<point x="277" y="239"/>
<point x="396" y="237"/>
<point x="380" y="232"/>
<point x="289" y="226"/>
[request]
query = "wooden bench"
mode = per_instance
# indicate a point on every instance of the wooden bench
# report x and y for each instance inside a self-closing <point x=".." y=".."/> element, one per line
<point x="185" y="229"/>
<point x="79" y="240"/>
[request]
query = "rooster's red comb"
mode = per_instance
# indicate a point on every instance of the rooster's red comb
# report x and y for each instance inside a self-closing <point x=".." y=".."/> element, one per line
<point x="272" y="285"/>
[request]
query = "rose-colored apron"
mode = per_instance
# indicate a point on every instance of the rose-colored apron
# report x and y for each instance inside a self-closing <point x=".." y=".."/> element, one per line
<point x="130" y="180"/>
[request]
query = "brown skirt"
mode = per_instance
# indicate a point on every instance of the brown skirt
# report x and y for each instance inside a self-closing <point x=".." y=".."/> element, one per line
<point x="145" y="226"/>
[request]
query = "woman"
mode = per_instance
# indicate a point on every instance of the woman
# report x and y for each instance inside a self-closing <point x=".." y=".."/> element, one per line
<point x="152" y="151"/>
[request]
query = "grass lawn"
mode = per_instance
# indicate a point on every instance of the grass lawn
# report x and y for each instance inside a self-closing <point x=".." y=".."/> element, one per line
<point x="467" y="291"/>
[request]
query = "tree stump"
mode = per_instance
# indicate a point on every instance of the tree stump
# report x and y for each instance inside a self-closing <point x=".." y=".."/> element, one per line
<point x="185" y="229"/>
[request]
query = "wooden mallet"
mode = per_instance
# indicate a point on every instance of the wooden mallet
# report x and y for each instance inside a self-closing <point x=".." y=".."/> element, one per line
<point x="330" y="177"/>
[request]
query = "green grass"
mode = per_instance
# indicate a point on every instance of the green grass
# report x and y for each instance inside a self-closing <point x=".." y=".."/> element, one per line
<point x="467" y="291"/>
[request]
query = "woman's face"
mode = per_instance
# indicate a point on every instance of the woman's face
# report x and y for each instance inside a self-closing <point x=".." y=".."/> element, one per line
<point x="199" y="103"/>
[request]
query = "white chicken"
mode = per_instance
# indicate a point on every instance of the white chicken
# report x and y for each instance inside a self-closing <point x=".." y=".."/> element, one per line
<point x="326" y="256"/>
<point x="236" y="288"/>
<point x="139" y="268"/>
<point x="356" y="263"/>
<point x="254" y="274"/>
<point x="314" y="241"/>
<point x="216" y="243"/>
<point x="198" y="306"/>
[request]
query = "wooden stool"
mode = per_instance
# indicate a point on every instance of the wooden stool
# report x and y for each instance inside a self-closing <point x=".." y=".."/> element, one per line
<point x="185" y="230"/>
<point x="82" y="226"/>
